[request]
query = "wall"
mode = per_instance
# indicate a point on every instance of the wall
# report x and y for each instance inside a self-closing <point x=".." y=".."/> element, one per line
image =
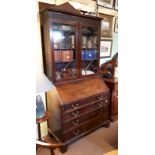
<point x="87" y="5"/>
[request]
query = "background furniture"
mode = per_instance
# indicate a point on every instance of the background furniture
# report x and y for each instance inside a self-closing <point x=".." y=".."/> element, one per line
<point x="107" y="71"/>
<point x="46" y="141"/>
<point x="112" y="83"/>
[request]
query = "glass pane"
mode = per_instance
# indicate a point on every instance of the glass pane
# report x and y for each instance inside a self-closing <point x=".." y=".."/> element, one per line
<point x="89" y="67"/>
<point x="63" y="36"/>
<point x="89" y="52"/>
<point x="66" y="70"/>
<point x="89" y="37"/>
<point x="64" y="51"/>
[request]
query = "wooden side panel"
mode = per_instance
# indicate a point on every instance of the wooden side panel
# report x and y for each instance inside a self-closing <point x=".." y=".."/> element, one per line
<point x="53" y="106"/>
<point x="47" y="47"/>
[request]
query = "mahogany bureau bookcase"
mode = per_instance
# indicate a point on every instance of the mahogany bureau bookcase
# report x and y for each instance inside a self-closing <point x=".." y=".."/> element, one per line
<point x="71" y="52"/>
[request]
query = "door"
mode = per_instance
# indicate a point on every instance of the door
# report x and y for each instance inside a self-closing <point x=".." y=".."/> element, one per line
<point x="63" y="43"/>
<point x="89" y="50"/>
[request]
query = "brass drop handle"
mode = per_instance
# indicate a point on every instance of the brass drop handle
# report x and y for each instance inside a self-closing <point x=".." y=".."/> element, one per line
<point x="76" y="122"/>
<point x="100" y="104"/>
<point x="76" y="132"/>
<point x="75" y="113"/>
<point x="75" y="106"/>
<point x="100" y="98"/>
<point x="100" y="111"/>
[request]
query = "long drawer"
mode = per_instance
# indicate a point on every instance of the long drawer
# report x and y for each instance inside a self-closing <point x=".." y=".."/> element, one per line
<point x="84" y="102"/>
<point x="93" y="105"/>
<point x="73" y="133"/>
<point x="92" y="113"/>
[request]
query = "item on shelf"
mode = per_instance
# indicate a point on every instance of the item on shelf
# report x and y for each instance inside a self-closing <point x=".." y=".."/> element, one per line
<point x="57" y="45"/>
<point x="69" y="71"/>
<point x="92" y="42"/>
<point x="67" y="55"/>
<point x="64" y="73"/>
<point x="83" y="54"/>
<point x="84" y="42"/>
<point x="94" y="54"/>
<point x="87" y="72"/>
<point x="74" y="72"/>
<point x="66" y="27"/>
<point x="71" y="41"/>
<point x="89" y="43"/>
<point x="57" y="55"/>
<point x="95" y="42"/>
<point x="89" y="54"/>
<point x="58" y="75"/>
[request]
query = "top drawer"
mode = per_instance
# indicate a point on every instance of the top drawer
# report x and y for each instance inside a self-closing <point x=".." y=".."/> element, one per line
<point x="85" y="102"/>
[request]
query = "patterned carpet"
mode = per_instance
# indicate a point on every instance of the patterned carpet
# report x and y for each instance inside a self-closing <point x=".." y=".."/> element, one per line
<point x="98" y="142"/>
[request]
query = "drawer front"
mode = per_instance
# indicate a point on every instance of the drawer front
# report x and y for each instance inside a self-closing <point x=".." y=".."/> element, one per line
<point x="77" y="131"/>
<point x="78" y="121"/>
<point x="88" y="109"/>
<point x="84" y="102"/>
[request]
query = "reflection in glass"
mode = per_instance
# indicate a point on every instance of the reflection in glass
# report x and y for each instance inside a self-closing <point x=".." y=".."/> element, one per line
<point x="58" y="36"/>
<point x="63" y="36"/>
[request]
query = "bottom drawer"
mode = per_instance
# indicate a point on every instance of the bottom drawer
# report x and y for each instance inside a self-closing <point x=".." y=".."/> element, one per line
<point x="70" y="134"/>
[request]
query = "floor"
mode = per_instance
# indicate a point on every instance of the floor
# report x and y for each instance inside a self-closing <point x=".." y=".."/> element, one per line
<point x="98" y="142"/>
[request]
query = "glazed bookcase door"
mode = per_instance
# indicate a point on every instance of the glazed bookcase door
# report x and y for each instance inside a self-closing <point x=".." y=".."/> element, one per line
<point x="89" y="50"/>
<point x="63" y="39"/>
